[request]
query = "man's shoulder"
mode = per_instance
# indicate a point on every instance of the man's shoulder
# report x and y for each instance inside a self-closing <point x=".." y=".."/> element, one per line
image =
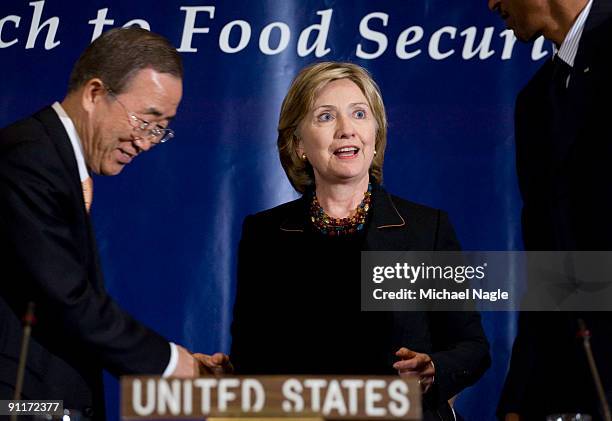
<point x="597" y="47"/>
<point x="25" y="132"/>
<point x="27" y="147"/>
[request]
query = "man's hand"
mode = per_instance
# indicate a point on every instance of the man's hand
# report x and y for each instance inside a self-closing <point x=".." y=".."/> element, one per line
<point x="195" y="365"/>
<point x="216" y="364"/>
<point x="415" y="364"/>
<point x="187" y="366"/>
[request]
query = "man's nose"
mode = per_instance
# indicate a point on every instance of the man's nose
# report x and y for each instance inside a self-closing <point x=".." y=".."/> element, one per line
<point x="142" y="143"/>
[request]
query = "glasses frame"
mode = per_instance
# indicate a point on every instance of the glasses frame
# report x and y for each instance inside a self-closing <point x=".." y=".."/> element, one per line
<point x="154" y="135"/>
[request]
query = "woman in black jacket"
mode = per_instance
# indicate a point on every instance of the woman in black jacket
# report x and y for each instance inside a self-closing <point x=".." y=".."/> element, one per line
<point x="297" y="307"/>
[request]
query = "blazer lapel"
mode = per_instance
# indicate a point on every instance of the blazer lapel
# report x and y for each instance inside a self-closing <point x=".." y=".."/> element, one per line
<point x="295" y="222"/>
<point x="386" y="230"/>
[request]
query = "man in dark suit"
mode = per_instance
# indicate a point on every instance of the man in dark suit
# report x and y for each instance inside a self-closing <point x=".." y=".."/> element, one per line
<point x="123" y="91"/>
<point x="563" y="157"/>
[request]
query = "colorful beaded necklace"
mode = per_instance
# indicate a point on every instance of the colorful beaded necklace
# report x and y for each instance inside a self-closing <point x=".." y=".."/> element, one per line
<point x="335" y="227"/>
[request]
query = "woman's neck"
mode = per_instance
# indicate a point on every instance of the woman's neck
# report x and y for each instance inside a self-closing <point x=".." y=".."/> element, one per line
<point x="341" y="200"/>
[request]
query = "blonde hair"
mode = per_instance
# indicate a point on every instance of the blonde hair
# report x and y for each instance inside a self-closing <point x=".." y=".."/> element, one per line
<point x="300" y="99"/>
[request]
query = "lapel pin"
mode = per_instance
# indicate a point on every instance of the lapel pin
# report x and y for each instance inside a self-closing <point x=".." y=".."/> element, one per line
<point x="586" y="69"/>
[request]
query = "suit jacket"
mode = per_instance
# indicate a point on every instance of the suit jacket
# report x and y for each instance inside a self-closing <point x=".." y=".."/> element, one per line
<point x="564" y="155"/>
<point x="49" y="256"/>
<point x="297" y="307"/>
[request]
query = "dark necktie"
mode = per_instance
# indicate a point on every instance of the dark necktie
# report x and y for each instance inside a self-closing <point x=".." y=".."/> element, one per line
<point x="559" y="93"/>
<point x="561" y="74"/>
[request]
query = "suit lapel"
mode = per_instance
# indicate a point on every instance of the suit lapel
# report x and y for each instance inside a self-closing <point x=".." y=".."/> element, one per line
<point x="48" y="117"/>
<point x="601" y="11"/>
<point x="60" y="138"/>
<point x="583" y="80"/>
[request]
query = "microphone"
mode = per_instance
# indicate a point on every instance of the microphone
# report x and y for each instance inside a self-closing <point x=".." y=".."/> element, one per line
<point x="29" y="320"/>
<point x="585" y="334"/>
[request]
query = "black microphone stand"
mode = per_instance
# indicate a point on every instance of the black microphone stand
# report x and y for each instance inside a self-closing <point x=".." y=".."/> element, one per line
<point x="28" y="321"/>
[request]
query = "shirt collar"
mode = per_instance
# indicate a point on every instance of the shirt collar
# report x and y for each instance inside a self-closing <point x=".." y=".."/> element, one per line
<point x="75" y="140"/>
<point x="568" y="49"/>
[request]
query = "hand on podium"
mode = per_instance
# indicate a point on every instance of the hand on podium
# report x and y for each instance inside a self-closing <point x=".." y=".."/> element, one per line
<point x="215" y="364"/>
<point x="415" y="364"/>
<point x="194" y="365"/>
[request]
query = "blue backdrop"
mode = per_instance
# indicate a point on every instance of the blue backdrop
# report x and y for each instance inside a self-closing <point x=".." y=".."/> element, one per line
<point x="169" y="225"/>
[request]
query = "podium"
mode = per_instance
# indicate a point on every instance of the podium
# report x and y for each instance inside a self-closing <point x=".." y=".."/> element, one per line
<point x="259" y="398"/>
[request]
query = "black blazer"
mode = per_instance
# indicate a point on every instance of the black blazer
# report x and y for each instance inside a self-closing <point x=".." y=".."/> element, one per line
<point x="49" y="256"/>
<point x="297" y="307"/>
<point x="564" y="156"/>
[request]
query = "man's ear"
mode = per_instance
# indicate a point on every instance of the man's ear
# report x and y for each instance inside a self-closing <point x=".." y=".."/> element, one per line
<point x="92" y="92"/>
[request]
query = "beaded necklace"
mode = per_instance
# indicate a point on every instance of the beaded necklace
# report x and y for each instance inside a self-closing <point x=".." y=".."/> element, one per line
<point x="334" y="227"/>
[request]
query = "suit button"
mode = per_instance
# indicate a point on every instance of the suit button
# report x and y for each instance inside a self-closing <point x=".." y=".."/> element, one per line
<point x="88" y="412"/>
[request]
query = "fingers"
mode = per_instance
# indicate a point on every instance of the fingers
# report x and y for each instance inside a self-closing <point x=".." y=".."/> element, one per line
<point x="416" y="365"/>
<point x="220" y="359"/>
<point x="216" y="364"/>
<point x="223" y="361"/>
<point x="426" y="371"/>
<point x="405" y="353"/>
<point x="411" y="360"/>
<point x="194" y="365"/>
<point x="424" y="380"/>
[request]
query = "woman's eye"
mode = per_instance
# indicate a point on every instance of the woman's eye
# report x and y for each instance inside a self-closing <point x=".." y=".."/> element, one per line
<point x="325" y="117"/>
<point x="360" y="114"/>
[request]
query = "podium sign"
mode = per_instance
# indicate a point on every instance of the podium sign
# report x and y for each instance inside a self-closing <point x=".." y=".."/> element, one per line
<point x="328" y="397"/>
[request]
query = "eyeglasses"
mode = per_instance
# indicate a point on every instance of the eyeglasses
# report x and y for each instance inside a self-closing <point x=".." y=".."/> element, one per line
<point x="154" y="135"/>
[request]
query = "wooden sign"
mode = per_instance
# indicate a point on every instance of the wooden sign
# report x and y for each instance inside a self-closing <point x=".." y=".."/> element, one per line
<point x="329" y="397"/>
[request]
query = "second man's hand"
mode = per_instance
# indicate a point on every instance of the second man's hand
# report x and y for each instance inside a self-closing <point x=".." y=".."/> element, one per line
<point x="194" y="365"/>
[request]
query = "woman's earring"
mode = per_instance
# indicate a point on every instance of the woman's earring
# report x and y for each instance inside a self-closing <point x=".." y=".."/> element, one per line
<point x="374" y="152"/>
<point x="303" y="157"/>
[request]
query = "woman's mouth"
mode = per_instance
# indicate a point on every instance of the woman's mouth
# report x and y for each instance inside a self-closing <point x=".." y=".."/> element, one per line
<point x="346" y="152"/>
